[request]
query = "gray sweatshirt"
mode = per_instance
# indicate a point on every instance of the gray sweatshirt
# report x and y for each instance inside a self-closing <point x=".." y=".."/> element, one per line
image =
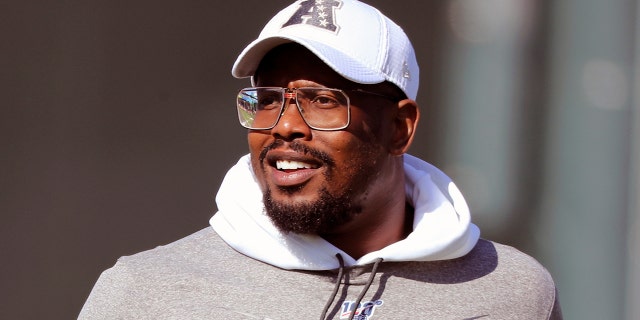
<point x="244" y="268"/>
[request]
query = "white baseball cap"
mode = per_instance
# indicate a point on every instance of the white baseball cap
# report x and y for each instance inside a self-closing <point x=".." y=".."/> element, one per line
<point x="353" y="38"/>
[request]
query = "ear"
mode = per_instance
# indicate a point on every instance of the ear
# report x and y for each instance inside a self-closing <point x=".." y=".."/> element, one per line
<point x="406" y="122"/>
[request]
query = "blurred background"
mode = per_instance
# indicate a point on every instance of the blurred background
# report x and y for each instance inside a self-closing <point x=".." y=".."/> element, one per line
<point x="117" y="124"/>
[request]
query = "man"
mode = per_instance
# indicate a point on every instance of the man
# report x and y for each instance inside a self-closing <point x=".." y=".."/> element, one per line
<point x="327" y="216"/>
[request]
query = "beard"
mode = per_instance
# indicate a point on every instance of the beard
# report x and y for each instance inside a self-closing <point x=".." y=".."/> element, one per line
<point x="330" y="209"/>
<point x="316" y="217"/>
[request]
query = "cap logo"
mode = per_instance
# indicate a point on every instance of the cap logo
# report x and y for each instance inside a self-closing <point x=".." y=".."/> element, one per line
<point x="406" y="73"/>
<point x="317" y="13"/>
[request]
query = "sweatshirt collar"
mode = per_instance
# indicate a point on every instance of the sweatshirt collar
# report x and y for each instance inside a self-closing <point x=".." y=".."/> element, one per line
<point x="442" y="227"/>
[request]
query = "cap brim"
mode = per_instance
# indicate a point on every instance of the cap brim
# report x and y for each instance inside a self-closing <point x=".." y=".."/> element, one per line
<point x="348" y="67"/>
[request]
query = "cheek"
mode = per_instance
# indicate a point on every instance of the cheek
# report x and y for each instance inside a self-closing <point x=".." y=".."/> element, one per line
<point x="364" y="141"/>
<point x="372" y="130"/>
<point x="353" y="154"/>
<point x="254" y="143"/>
<point x="257" y="142"/>
<point x="367" y="151"/>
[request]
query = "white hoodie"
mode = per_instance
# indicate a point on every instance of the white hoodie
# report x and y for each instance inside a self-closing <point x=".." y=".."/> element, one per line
<point x="442" y="227"/>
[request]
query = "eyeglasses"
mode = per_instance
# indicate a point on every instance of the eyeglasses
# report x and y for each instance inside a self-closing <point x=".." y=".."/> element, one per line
<point x="326" y="109"/>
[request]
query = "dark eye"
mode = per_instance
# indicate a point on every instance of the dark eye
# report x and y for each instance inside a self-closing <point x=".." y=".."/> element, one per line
<point x="325" y="101"/>
<point x="269" y="101"/>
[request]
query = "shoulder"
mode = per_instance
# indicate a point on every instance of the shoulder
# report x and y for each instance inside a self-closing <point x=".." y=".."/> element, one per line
<point x="193" y="251"/>
<point x="515" y="266"/>
<point x="503" y="263"/>
<point x="520" y="275"/>
<point x="187" y="248"/>
<point x="487" y="260"/>
<point x="508" y="258"/>
<point x="162" y="280"/>
<point x="492" y="278"/>
<point x="202" y="253"/>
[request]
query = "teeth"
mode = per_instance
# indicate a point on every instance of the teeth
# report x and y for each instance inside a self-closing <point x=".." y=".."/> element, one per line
<point x="292" y="165"/>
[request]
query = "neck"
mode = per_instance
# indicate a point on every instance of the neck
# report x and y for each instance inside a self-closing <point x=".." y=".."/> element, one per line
<point x="365" y="239"/>
<point x="386" y="218"/>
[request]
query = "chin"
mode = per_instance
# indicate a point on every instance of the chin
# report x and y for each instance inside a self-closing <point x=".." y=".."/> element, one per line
<point x="312" y="215"/>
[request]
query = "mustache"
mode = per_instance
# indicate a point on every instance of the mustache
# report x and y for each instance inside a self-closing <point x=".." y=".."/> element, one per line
<point x="298" y="147"/>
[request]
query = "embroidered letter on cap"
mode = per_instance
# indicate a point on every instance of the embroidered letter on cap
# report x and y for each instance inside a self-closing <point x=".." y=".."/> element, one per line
<point x="317" y="13"/>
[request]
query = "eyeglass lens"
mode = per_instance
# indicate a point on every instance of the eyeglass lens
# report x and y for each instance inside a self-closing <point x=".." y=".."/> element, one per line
<point x="321" y="108"/>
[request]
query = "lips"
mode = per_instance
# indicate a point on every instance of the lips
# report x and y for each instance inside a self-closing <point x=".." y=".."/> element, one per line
<point x="288" y="169"/>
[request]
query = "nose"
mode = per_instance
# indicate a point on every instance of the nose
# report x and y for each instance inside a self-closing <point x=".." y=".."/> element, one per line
<point x="291" y="125"/>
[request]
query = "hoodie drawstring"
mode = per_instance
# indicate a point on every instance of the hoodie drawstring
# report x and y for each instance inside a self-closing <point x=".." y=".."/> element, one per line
<point x="366" y="287"/>
<point x="337" y="286"/>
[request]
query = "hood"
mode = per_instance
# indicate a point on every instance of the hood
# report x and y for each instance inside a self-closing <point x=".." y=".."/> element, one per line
<point x="442" y="227"/>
